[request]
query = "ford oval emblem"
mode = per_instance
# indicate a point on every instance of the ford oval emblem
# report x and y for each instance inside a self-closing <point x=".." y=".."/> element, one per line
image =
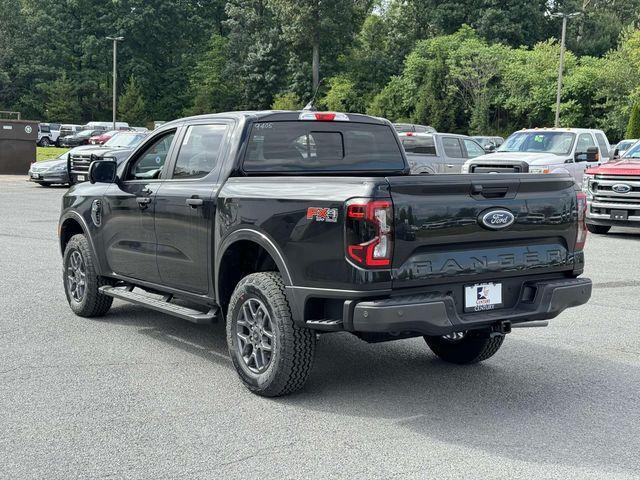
<point x="497" y="219"/>
<point x="621" y="188"/>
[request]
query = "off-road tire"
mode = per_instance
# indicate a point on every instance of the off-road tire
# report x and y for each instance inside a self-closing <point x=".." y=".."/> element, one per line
<point x="44" y="142"/>
<point x="470" y="349"/>
<point x="598" y="229"/>
<point x="93" y="303"/>
<point x="293" y="345"/>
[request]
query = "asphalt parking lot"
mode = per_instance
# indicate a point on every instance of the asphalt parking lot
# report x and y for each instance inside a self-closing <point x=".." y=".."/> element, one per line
<point x="138" y="394"/>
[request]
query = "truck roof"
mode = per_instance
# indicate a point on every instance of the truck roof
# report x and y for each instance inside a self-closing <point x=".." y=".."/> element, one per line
<point x="560" y="129"/>
<point x="274" y="115"/>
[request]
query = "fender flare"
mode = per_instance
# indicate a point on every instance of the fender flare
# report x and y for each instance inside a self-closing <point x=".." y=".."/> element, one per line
<point x="261" y="239"/>
<point x="85" y="230"/>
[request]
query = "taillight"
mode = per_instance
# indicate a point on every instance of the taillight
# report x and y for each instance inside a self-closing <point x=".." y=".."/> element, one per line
<point x="581" y="236"/>
<point x="369" y="232"/>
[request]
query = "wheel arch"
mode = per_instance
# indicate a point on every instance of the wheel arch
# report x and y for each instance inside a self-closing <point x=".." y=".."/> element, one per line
<point x="73" y="224"/>
<point x="243" y="252"/>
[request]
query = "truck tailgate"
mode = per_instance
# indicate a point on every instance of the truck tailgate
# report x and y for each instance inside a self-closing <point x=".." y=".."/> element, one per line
<point x="440" y="236"/>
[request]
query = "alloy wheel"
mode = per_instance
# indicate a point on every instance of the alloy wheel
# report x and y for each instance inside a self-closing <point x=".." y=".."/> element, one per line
<point x="255" y="338"/>
<point x="76" y="276"/>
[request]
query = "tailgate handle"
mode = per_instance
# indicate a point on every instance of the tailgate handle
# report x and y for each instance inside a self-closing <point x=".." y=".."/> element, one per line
<point x="489" y="192"/>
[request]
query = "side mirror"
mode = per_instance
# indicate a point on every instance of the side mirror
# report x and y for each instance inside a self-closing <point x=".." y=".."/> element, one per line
<point x="593" y="154"/>
<point x="103" y="171"/>
<point x="489" y="148"/>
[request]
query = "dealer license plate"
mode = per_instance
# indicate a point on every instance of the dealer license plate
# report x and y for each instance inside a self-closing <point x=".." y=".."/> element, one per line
<point x="35" y="175"/>
<point x="482" y="296"/>
<point x="619" y="214"/>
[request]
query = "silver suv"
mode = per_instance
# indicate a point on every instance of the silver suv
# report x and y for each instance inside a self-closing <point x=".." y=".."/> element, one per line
<point x="546" y="150"/>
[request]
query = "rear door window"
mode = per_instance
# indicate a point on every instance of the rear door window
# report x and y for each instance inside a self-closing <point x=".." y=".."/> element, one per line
<point x="310" y="146"/>
<point x="423" y="145"/>
<point x="199" y="151"/>
<point x="452" y="147"/>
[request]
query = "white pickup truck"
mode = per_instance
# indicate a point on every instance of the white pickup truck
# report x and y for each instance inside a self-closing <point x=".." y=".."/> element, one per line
<point x="545" y="150"/>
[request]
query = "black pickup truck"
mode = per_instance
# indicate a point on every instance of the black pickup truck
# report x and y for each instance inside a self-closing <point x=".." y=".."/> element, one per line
<point x="290" y="224"/>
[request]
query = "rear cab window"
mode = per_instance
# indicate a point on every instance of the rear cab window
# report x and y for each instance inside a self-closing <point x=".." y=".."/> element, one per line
<point x="603" y="144"/>
<point x="317" y="146"/>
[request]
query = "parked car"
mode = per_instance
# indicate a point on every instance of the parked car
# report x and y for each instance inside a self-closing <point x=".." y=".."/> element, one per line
<point x="489" y="144"/>
<point x="545" y="150"/>
<point x="103" y="137"/>
<point x="412" y="127"/>
<point x="67" y="129"/>
<point x="288" y="224"/>
<point x="438" y="152"/>
<point x="117" y="148"/>
<point x="613" y="193"/>
<point x="47" y="134"/>
<point x="621" y="147"/>
<point x="50" y="172"/>
<point x="105" y="126"/>
<point x="80" y="138"/>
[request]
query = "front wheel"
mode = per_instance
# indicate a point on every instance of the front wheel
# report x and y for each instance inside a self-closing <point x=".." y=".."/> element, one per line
<point x="44" y="142"/>
<point x="464" y="348"/>
<point x="81" y="282"/>
<point x="271" y="353"/>
<point x="598" y="229"/>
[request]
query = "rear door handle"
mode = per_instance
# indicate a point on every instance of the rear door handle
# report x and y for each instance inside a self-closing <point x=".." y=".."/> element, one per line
<point x="195" y="202"/>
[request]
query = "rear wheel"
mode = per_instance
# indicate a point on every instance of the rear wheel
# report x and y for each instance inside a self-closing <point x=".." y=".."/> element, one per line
<point x="464" y="348"/>
<point x="81" y="282"/>
<point x="598" y="229"/>
<point x="272" y="354"/>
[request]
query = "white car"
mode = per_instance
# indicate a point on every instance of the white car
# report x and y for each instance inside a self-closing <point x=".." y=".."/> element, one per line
<point x="545" y="150"/>
<point x="48" y="134"/>
<point x="623" y="145"/>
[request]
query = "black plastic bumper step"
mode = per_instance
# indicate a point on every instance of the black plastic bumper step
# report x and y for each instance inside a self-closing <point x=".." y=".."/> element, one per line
<point x="160" y="305"/>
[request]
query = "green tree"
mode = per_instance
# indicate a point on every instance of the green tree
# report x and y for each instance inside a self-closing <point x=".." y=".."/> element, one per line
<point x="315" y="25"/>
<point x="131" y="104"/>
<point x="257" y="61"/>
<point x="633" y="128"/>
<point x="62" y="101"/>
<point x="286" y="101"/>
<point x="212" y="87"/>
<point x="343" y="96"/>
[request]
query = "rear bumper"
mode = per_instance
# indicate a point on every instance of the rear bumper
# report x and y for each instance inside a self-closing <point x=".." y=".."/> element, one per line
<point x="437" y="315"/>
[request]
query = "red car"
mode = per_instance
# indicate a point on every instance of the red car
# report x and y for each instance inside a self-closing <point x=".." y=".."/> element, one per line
<point x="613" y="194"/>
<point x="103" y="137"/>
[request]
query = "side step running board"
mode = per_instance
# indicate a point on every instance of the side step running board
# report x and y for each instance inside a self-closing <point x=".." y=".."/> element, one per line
<point x="160" y="305"/>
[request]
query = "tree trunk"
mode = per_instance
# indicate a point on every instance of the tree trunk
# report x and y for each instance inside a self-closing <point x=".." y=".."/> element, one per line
<point x="316" y="63"/>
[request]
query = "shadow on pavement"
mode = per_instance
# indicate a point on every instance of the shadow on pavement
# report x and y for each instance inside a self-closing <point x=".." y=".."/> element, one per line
<point x="530" y="402"/>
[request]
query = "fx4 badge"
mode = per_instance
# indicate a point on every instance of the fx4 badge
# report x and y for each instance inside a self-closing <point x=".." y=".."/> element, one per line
<point x="321" y="214"/>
